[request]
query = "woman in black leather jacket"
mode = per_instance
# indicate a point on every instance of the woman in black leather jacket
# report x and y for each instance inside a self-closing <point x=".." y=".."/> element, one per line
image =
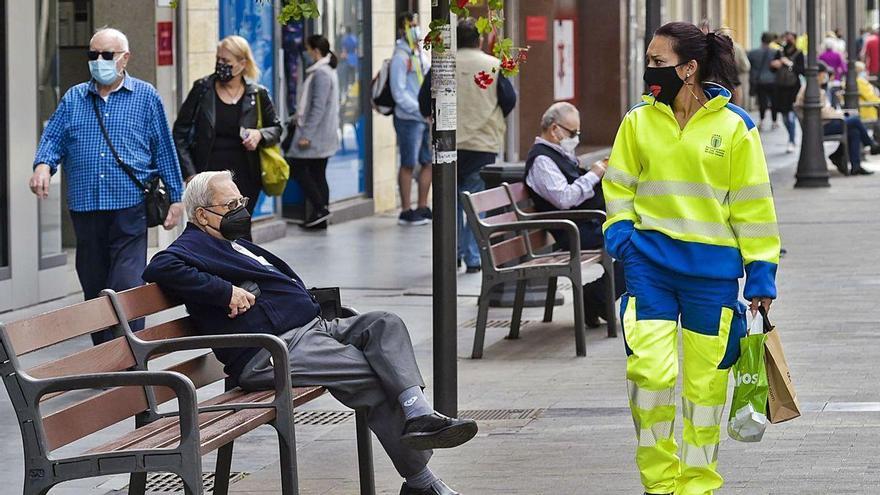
<point x="216" y="128"/>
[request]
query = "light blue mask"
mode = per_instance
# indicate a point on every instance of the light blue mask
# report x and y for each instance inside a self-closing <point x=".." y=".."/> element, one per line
<point x="103" y="71"/>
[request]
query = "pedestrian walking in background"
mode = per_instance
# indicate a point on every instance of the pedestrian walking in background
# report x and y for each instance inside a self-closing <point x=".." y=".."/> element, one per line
<point x="871" y="51"/>
<point x="743" y="70"/>
<point x="833" y="58"/>
<point x="408" y="68"/>
<point x="315" y="128"/>
<point x="762" y="78"/>
<point x="225" y="119"/>
<point x="688" y="213"/>
<point x="557" y="180"/>
<point x="789" y="67"/>
<point x="481" y="125"/>
<point x="106" y="206"/>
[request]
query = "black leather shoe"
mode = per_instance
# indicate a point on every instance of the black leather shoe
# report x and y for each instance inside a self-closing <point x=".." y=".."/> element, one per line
<point x="436" y="431"/>
<point x="861" y="171"/>
<point x="436" y="488"/>
<point x="837" y="160"/>
<point x="473" y="269"/>
<point x="875" y="149"/>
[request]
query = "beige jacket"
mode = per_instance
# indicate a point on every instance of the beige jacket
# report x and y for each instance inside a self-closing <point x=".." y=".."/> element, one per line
<point x="828" y="112"/>
<point x="481" y="124"/>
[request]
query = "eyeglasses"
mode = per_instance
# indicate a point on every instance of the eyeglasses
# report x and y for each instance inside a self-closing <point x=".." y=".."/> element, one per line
<point x="571" y="133"/>
<point x="106" y="55"/>
<point x="232" y="204"/>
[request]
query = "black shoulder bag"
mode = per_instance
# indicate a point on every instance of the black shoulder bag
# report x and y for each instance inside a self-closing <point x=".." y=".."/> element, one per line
<point x="156" y="200"/>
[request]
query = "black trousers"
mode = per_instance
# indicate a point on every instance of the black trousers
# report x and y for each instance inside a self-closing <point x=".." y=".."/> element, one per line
<point x="111" y="253"/>
<point x="766" y="94"/>
<point x="311" y="173"/>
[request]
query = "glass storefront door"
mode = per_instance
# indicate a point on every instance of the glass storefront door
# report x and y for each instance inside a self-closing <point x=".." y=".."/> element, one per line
<point x="344" y="27"/>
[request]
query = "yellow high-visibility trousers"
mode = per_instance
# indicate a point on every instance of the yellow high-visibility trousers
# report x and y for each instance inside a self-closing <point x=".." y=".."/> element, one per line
<point x="712" y="322"/>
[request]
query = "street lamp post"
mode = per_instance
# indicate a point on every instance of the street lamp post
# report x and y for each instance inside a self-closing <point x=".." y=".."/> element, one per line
<point x="443" y="98"/>
<point x="851" y="99"/>
<point x="812" y="170"/>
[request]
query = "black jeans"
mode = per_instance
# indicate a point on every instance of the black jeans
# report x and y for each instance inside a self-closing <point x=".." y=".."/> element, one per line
<point x="765" y="93"/>
<point x="111" y="253"/>
<point x="311" y="173"/>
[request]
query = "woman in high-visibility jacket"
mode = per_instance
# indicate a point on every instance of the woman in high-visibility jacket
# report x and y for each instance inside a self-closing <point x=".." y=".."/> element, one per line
<point x="689" y="209"/>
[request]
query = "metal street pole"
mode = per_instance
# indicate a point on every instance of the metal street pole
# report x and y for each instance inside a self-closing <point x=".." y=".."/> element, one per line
<point x="812" y="169"/>
<point x="443" y="97"/>
<point x="851" y="98"/>
<point x="652" y="20"/>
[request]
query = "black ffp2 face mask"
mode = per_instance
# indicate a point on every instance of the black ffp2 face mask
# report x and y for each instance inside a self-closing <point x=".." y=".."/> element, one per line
<point x="663" y="82"/>
<point x="235" y="224"/>
<point x="223" y="71"/>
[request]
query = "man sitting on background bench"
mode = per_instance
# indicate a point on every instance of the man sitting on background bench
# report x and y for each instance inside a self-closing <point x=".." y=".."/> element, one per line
<point x="230" y="285"/>
<point x="556" y="181"/>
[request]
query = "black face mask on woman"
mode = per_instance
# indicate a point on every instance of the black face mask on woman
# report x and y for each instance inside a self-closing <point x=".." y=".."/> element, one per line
<point x="663" y="82"/>
<point x="223" y="71"/>
<point x="235" y="224"/>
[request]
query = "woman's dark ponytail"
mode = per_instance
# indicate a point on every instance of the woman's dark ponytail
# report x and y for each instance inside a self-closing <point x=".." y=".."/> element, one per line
<point x="320" y="43"/>
<point x="712" y="50"/>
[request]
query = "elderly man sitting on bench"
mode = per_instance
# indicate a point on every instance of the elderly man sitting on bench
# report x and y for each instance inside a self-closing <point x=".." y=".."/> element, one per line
<point x="230" y="285"/>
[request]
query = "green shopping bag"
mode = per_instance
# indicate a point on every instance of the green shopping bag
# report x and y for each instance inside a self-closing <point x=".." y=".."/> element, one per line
<point x="748" y="409"/>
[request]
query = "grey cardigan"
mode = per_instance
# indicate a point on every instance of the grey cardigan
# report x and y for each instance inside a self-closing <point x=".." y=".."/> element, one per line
<point x="320" y="121"/>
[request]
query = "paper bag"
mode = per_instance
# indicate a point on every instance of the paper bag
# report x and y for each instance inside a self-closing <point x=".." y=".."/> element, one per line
<point x="782" y="403"/>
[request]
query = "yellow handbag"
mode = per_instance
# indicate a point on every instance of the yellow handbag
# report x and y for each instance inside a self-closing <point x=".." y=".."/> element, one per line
<point x="273" y="167"/>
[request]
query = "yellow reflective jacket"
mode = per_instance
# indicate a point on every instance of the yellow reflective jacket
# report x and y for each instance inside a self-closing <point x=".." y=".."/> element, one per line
<point x="695" y="200"/>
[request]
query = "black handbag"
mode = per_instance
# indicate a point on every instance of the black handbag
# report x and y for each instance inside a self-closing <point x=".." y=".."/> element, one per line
<point x="156" y="199"/>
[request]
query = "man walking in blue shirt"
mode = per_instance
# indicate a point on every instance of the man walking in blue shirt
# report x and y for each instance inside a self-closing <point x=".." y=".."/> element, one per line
<point x="107" y="208"/>
<point x="413" y="135"/>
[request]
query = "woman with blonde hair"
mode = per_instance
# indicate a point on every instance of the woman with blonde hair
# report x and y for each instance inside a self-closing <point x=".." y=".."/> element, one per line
<point x="225" y="119"/>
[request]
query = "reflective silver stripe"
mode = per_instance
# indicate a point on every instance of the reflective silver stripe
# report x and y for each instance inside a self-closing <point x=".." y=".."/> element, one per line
<point x="701" y="416"/>
<point x="614" y="174"/>
<point x="681" y="188"/>
<point x="754" y="230"/>
<point x="758" y="191"/>
<point x="649" y="399"/>
<point x="699" y="456"/>
<point x="648" y="437"/>
<point x="688" y="226"/>
<point x="616" y="206"/>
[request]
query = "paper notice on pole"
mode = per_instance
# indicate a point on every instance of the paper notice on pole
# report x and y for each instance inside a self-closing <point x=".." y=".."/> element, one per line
<point x="446" y="113"/>
<point x="442" y="157"/>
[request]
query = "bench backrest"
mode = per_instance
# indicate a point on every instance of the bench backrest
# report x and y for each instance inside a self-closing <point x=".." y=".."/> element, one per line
<point x="84" y="417"/>
<point x="492" y="207"/>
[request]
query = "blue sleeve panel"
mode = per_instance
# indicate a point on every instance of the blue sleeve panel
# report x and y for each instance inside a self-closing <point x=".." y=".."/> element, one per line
<point x="617" y="237"/>
<point x="760" y="280"/>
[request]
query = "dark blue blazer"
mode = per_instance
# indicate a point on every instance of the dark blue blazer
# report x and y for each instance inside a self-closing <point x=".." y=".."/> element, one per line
<point x="200" y="270"/>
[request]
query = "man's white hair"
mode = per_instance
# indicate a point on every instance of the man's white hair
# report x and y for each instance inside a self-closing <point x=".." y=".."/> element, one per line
<point x="119" y="35"/>
<point x="556" y="112"/>
<point x="199" y="193"/>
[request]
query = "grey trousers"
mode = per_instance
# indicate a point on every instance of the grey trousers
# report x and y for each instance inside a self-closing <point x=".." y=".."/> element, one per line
<point x="365" y="362"/>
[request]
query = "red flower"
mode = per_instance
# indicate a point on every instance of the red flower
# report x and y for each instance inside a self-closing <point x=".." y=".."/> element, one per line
<point x="508" y="64"/>
<point x="655" y="90"/>
<point x="483" y="79"/>
<point x="462" y="3"/>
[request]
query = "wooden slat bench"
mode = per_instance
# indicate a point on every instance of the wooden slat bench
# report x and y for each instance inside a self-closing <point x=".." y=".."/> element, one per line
<point x="513" y="249"/>
<point x="161" y="442"/>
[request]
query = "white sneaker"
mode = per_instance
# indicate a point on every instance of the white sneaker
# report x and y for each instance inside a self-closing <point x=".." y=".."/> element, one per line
<point x="789" y="148"/>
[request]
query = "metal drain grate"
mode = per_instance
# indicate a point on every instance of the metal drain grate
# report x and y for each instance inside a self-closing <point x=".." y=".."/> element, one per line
<point x="164" y="483"/>
<point x="493" y="323"/>
<point x="322" y="418"/>
<point x="500" y="414"/>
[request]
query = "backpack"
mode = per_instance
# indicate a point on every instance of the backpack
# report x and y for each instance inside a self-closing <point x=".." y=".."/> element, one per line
<point x="383" y="100"/>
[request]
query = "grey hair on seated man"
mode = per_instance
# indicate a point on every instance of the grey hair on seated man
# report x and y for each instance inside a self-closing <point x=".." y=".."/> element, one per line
<point x="231" y="285"/>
